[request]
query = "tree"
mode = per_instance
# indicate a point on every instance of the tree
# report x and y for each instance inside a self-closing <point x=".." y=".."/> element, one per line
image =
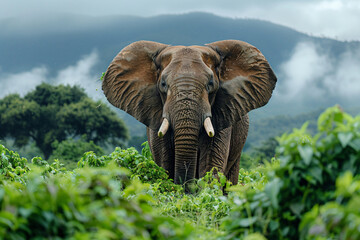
<point x="51" y="113"/>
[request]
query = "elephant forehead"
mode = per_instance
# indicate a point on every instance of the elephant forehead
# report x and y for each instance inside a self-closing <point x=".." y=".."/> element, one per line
<point x="181" y="52"/>
<point x="192" y="52"/>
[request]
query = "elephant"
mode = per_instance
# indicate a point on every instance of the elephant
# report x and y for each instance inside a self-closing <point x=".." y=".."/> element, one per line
<point x="194" y="101"/>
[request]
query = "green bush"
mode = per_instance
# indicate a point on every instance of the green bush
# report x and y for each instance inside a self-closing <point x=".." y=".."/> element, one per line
<point x="70" y="151"/>
<point x="89" y="204"/>
<point x="141" y="166"/>
<point x="12" y="166"/>
<point x="306" y="175"/>
<point x="310" y="191"/>
<point x="339" y="219"/>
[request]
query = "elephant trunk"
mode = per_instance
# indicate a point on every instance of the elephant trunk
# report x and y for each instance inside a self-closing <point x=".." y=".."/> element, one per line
<point x="186" y="133"/>
<point x="186" y="109"/>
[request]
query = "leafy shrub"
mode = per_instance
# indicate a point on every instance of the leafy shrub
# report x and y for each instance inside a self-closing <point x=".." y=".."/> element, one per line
<point x="339" y="219"/>
<point x="256" y="177"/>
<point x="70" y="151"/>
<point x="85" y="205"/>
<point x="49" y="169"/>
<point x="311" y="191"/>
<point x="306" y="175"/>
<point x="141" y="166"/>
<point x="204" y="208"/>
<point x="15" y="168"/>
<point x="12" y="166"/>
<point x="90" y="159"/>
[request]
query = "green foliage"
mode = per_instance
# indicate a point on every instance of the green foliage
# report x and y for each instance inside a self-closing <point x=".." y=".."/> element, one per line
<point x="70" y="151"/>
<point x="311" y="190"/>
<point x="204" y="208"/>
<point x="254" y="178"/>
<point x="339" y="219"/>
<point x="141" y="166"/>
<point x="306" y="175"/>
<point x="56" y="113"/>
<point x="12" y="166"/>
<point x="91" y="204"/>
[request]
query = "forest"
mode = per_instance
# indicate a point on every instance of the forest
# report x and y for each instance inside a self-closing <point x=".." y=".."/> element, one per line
<point x="68" y="171"/>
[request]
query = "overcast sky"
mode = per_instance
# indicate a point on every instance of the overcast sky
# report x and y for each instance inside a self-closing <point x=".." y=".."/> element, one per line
<point x="338" y="19"/>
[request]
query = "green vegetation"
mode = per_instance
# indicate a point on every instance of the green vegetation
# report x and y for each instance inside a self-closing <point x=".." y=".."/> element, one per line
<point x="311" y="190"/>
<point x="70" y="150"/>
<point x="306" y="176"/>
<point x="57" y="113"/>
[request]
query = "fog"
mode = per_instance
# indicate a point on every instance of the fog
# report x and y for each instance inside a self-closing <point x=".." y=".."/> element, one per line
<point x="22" y="82"/>
<point x="310" y="75"/>
<point x="80" y="74"/>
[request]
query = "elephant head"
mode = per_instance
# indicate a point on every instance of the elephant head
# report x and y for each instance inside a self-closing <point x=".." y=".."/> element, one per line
<point x="187" y="88"/>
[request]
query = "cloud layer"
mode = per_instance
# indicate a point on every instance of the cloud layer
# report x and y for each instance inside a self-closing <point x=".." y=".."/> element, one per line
<point x="333" y="18"/>
<point x="22" y="82"/>
<point x="80" y="74"/>
<point x="312" y="76"/>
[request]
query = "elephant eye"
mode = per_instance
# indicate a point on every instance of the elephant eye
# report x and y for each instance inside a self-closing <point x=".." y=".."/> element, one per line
<point x="211" y="82"/>
<point x="163" y="85"/>
<point x="210" y="85"/>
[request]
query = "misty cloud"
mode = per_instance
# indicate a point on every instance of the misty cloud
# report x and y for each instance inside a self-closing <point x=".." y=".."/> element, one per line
<point x="345" y="79"/>
<point x="23" y="82"/>
<point x="79" y="74"/>
<point x="311" y="74"/>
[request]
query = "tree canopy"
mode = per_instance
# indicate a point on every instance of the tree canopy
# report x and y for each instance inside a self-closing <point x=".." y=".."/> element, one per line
<point x="51" y="113"/>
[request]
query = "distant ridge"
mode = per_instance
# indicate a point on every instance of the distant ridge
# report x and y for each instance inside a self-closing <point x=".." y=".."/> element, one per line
<point x="61" y="41"/>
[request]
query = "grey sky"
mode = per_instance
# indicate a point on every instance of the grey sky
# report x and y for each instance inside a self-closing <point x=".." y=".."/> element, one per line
<point x="332" y="18"/>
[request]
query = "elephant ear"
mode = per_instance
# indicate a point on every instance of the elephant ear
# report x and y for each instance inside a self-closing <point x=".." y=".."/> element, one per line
<point x="130" y="82"/>
<point x="246" y="81"/>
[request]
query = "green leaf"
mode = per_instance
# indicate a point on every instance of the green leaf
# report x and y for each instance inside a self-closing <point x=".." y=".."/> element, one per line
<point x="7" y="219"/>
<point x="343" y="184"/>
<point x="255" y="236"/>
<point x="272" y="190"/>
<point x="345" y="138"/>
<point x="355" y="144"/>
<point x="306" y="153"/>
<point x="316" y="172"/>
<point x="246" y="222"/>
<point x="274" y="225"/>
<point x="297" y="208"/>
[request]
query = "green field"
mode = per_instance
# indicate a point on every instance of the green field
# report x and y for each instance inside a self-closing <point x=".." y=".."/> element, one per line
<point x="309" y="190"/>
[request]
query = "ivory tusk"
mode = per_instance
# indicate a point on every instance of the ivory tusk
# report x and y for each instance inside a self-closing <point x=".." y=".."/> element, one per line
<point x="163" y="128"/>
<point x="209" y="127"/>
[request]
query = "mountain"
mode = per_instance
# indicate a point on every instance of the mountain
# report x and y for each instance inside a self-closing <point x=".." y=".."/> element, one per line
<point x="62" y="40"/>
<point x="309" y="69"/>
